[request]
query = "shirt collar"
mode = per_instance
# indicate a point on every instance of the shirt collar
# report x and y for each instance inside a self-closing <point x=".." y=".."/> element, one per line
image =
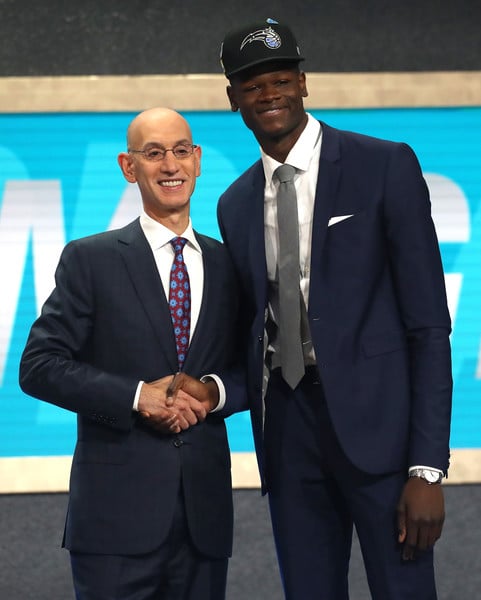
<point x="301" y="153"/>
<point x="158" y="235"/>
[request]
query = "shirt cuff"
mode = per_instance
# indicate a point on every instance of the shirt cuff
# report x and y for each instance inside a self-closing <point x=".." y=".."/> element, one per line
<point x="425" y="467"/>
<point x="137" y="396"/>
<point x="220" y="386"/>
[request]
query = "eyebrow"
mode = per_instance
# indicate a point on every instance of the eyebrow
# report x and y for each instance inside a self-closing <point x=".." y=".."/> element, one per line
<point x="161" y="145"/>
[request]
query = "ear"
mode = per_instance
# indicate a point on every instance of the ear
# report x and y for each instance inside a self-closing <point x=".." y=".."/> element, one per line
<point x="197" y="155"/>
<point x="303" y="85"/>
<point x="126" y="165"/>
<point x="230" y="94"/>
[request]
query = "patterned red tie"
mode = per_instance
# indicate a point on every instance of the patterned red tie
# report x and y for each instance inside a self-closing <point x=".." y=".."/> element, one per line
<point x="179" y="299"/>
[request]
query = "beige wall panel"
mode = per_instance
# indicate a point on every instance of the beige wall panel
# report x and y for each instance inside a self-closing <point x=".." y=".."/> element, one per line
<point x="207" y="92"/>
<point x="33" y="474"/>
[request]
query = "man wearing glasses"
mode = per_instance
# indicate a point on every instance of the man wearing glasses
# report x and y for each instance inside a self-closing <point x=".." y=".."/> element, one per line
<point x="134" y="311"/>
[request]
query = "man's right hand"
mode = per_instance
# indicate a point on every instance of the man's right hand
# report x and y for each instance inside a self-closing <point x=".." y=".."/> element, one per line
<point x="168" y="417"/>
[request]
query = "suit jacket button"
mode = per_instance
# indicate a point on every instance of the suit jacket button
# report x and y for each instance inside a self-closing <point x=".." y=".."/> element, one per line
<point x="177" y="442"/>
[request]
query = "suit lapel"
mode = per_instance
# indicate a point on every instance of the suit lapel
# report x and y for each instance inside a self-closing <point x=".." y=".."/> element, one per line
<point x="205" y="324"/>
<point x="200" y="347"/>
<point x="140" y="264"/>
<point x="256" y="235"/>
<point x="326" y="189"/>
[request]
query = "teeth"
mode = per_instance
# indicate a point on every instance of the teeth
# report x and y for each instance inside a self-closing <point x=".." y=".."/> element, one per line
<point x="171" y="183"/>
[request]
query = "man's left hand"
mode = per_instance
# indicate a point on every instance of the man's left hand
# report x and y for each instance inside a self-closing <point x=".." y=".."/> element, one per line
<point x="420" y="516"/>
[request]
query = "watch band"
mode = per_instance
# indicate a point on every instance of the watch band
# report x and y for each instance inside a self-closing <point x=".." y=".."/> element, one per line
<point x="431" y="476"/>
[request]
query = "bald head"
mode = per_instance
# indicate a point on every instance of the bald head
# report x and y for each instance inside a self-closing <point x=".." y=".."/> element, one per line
<point x="163" y="121"/>
<point x="162" y="160"/>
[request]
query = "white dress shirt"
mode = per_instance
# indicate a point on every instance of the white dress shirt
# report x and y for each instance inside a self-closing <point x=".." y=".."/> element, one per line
<point x="304" y="156"/>
<point x="159" y="238"/>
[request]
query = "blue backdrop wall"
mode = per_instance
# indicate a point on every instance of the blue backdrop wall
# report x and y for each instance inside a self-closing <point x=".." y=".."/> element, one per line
<point x="60" y="180"/>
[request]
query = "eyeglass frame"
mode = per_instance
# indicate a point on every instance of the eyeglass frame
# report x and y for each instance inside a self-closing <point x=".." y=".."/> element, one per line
<point x="163" y="152"/>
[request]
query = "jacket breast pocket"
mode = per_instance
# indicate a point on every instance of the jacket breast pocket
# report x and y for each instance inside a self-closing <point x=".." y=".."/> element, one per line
<point x="349" y="233"/>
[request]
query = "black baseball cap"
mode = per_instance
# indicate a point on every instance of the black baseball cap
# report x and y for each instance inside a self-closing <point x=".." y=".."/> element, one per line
<point x="258" y="43"/>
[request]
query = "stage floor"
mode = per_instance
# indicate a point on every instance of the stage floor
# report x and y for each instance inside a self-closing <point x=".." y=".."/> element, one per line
<point x="33" y="566"/>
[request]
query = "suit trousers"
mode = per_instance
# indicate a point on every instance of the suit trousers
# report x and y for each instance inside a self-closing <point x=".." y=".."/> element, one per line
<point x="316" y="496"/>
<point x="175" y="571"/>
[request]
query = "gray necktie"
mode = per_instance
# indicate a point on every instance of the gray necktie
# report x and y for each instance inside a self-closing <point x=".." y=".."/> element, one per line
<point x="292" y="359"/>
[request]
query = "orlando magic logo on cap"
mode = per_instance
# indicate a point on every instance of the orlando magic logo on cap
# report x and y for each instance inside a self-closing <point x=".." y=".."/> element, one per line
<point x="267" y="36"/>
<point x="256" y="44"/>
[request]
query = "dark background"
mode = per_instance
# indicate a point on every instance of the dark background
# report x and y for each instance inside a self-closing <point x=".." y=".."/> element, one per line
<point x="135" y="37"/>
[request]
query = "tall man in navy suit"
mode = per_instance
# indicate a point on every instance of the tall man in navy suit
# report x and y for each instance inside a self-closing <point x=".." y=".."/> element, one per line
<point x="150" y="506"/>
<point x="361" y="435"/>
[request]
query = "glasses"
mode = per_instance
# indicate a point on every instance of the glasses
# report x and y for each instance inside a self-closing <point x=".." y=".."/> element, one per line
<point x="156" y="154"/>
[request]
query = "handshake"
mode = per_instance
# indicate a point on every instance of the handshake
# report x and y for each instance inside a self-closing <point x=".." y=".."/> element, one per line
<point x="176" y="402"/>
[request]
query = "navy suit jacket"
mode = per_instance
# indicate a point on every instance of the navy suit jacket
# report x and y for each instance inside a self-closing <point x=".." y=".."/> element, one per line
<point x="377" y="304"/>
<point x="106" y="326"/>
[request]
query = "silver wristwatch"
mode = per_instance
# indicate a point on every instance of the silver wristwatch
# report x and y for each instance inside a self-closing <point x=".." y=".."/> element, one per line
<point x="429" y="475"/>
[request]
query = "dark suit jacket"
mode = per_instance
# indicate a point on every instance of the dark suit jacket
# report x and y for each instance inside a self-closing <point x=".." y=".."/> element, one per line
<point x="106" y="326"/>
<point x="377" y="304"/>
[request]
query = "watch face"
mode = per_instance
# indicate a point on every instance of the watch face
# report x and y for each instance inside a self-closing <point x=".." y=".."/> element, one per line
<point x="431" y="476"/>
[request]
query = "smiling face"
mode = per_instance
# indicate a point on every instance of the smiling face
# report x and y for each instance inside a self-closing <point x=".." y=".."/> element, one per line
<point x="270" y="100"/>
<point x="166" y="185"/>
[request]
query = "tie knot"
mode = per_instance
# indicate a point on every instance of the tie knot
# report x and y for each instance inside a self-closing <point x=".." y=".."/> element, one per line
<point x="285" y="173"/>
<point x="178" y="244"/>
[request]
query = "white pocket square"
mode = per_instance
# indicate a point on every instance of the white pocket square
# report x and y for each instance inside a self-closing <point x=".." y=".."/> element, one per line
<point x="334" y="220"/>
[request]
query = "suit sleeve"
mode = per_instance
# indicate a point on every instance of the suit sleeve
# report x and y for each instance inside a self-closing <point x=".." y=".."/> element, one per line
<point x="420" y="289"/>
<point x="56" y="364"/>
